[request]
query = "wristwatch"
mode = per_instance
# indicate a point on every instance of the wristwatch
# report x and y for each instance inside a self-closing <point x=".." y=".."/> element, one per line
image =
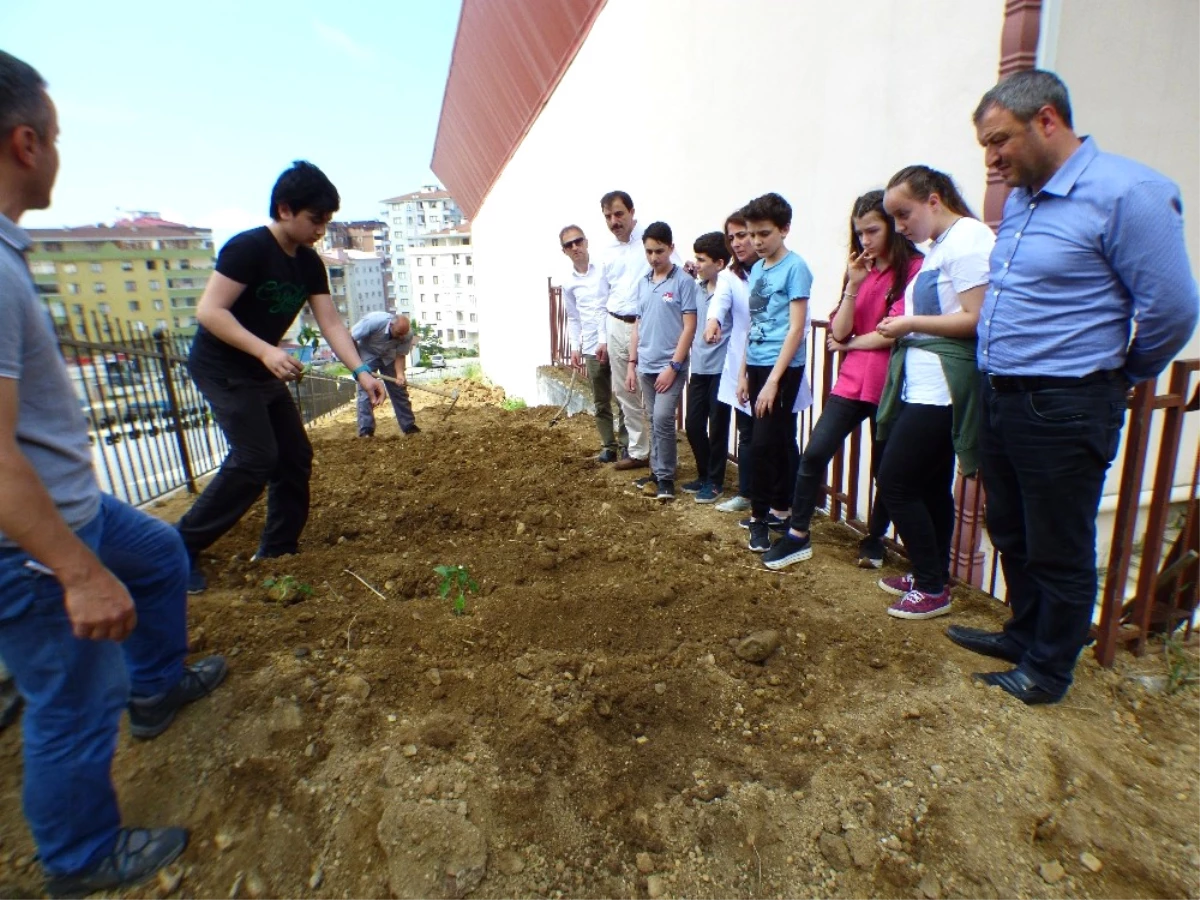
<point x="678" y="367"/>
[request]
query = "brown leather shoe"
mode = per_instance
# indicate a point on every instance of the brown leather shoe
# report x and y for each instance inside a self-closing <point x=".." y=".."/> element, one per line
<point x="629" y="462"/>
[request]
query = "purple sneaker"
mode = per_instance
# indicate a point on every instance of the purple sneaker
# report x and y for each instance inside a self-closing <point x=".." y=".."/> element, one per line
<point x="899" y="585"/>
<point x="919" y="605"/>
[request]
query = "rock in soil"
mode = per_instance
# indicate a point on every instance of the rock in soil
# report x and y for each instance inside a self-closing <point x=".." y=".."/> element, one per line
<point x="758" y="646"/>
<point x="430" y="852"/>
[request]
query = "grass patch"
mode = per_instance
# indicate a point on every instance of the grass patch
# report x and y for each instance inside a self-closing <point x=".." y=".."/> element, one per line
<point x="472" y="372"/>
<point x="513" y="403"/>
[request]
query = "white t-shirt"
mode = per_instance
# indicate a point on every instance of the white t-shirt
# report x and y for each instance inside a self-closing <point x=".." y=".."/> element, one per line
<point x="954" y="263"/>
<point x="585" y="308"/>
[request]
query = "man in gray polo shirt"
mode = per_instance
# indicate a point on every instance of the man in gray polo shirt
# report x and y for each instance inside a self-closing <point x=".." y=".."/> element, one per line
<point x="93" y="601"/>
<point x="384" y="341"/>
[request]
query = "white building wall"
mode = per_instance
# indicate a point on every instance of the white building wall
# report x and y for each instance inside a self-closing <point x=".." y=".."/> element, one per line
<point x="453" y="298"/>
<point x="694" y="111"/>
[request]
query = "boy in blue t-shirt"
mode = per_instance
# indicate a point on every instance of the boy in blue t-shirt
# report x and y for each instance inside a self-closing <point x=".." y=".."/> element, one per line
<point x="773" y="368"/>
<point x="707" y="420"/>
<point x="662" y="337"/>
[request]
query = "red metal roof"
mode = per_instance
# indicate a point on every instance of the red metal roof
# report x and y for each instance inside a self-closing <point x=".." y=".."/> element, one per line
<point x="419" y="195"/>
<point x="509" y="56"/>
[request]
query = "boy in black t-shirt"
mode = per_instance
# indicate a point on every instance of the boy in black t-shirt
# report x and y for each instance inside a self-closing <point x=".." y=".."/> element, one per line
<point x="263" y="277"/>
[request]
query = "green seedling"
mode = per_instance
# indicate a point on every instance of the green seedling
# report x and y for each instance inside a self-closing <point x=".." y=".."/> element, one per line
<point x="287" y="590"/>
<point x="1183" y="668"/>
<point x="456" y="578"/>
<point x="511" y="403"/>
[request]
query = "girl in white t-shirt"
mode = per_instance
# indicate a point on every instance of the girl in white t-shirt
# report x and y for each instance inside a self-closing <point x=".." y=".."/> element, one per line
<point x="926" y="414"/>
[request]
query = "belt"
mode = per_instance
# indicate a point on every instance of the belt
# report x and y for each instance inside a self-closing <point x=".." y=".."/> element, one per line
<point x="629" y="319"/>
<point x="1013" y="384"/>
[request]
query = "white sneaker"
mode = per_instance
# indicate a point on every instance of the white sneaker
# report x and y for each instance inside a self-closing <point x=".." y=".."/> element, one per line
<point x="734" y="504"/>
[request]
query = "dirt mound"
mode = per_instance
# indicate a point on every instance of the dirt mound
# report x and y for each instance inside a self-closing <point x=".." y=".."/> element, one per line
<point x="588" y="728"/>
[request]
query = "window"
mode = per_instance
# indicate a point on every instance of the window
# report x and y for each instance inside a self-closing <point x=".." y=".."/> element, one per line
<point x="44" y="288"/>
<point x="97" y="267"/>
<point x="41" y="267"/>
<point x="473" y="319"/>
<point x="460" y="318"/>
<point x="134" y="305"/>
<point x="104" y="309"/>
<point x="419" y="260"/>
<point x="77" y="310"/>
<point x="70" y="268"/>
<point x="439" y="315"/>
<point x="158" y="305"/>
<point x="424" y="316"/>
<point x="99" y="287"/>
<point x="457" y="279"/>
<point x="433" y="261"/>
<point x="422" y="298"/>
<point x="436" y="297"/>
<point x="151" y="265"/>
<point x="462" y="335"/>
<point x="420" y="279"/>
<point x="160" y="323"/>
<point x="435" y="281"/>
<point x="130" y="287"/>
<point x="183" y="264"/>
<point x="52" y="247"/>
<point x="126" y="266"/>
<point x="72" y="287"/>
<point x="456" y="259"/>
<point x="468" y="259"/>
<point x="156" y="286"/>
<point x="470" y="279"/>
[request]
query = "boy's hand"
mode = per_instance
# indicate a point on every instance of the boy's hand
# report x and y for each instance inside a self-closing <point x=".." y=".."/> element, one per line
<point x="712" y="331"/>
<point x="665" y="379"/>
<point x="766" y="398"/>
<point x="602" y="353"/>
<point x="743" y="390"/>
<point x="631" y="384"/>
<point x="374" y="388"/>
<point x="894" y="326"/>
<point x="281" y="364"/>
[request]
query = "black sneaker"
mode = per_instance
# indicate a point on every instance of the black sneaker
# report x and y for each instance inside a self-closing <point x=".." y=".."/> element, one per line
<point x="760" y="537"/>
<point x="413" y="430"/>
<point x="151" y="716"/>
<point x="196" y="583"/>
<point x="137" y="855"/>
<point x="773" y="522"/>
<point x="787" y="551"/>
<point x="606" y="456"/>
<point x="871" y="553"/>
<point x="692" y="487"/>
<point x="648" y="481"/>
<point x="666" y="490"/>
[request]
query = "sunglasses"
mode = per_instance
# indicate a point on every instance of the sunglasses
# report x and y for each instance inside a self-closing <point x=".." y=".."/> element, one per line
<point x="571" y="245"/>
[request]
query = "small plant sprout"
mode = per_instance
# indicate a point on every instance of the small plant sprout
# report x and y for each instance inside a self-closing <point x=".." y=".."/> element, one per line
<point x="458" y="581"/>
<point x="287" y="590"/>
<point x="513" y="403"/>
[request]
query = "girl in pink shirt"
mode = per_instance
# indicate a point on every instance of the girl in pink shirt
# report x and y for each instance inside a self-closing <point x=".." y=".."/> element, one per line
<point x="882" y="262"/>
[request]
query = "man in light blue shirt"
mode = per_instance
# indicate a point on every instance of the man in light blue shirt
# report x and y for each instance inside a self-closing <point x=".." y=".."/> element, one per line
<point x="384" y="342"/>
<point x="1090" y="250"/>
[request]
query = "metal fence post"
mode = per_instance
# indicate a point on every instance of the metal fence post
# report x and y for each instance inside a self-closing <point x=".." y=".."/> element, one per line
<point x="164" y="359"/>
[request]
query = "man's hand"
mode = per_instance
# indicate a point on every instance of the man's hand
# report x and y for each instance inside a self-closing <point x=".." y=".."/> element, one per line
<point x="576" y="359"/>
<point x="665" y="379"/>
<point x="401" y="377"/>
<point x="602" y="353"/>
<point x="894" y="327"/>
<point x="281" y="364"/>
<point x="99" y="607"/>
<point x="374" y="388"/>
<point x="766" y="398"/>
<point x="712" y="331"/>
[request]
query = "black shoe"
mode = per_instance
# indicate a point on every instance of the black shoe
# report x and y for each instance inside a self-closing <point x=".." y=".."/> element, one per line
<point x="666" y="490"/>
<point x="261" y="553"/>
<point x="871" y="553"/>
<point x="760" y="537"/>
<point x="787" y="551"/>
<point x="1020" y="685"/>
<point x="196" y="583"/>
<point x="10" y="703"/>
<point x="693" y="487"/>
<point x="647" y="481"/>
<point x="137" y="855"/>
<point x="413" y="430"/>
<point x="150" y="717"/>
<point x="773" y="522"/>
<point x="607" y="456"/>
<point x="987" y="643"/>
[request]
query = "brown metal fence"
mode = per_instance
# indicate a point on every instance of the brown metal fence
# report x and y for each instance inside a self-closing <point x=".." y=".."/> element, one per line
<point x="151" y="430"/>
<point x="1165" y="595"/>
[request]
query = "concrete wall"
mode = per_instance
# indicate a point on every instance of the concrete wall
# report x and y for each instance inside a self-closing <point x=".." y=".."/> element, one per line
<point x="694" y="111"/>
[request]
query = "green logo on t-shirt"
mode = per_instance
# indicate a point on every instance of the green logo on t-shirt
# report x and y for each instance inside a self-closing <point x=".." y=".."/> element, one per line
<point x="284" y="297"/>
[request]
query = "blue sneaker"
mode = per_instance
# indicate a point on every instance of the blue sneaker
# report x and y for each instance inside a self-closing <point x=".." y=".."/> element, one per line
<point x="787" y="551"/>
<point x="710" y="493"/>
<point x="692" y="487"/>
<point x="197" y="583"/>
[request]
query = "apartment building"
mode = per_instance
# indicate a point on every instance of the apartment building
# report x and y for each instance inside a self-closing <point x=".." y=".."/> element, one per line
<point x="407" y="217"/>
<point x="366" y="236"/>
<point x="443" y="282"/>
<point x="145" y="271"/>
<point x="356" y="284"/>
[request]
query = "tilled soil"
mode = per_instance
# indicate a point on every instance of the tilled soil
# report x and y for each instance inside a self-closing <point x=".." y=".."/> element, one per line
<point x="587" y="729"/>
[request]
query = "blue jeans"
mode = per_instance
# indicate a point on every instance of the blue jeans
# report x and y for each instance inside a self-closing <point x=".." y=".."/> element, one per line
<point x="75" y="690"/>
<point x="1043" y="455"/>
<point x="401" y="405"/>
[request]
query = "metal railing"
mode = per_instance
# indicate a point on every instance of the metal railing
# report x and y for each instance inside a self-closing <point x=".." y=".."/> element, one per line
<point x="150" y="428"/>
<point x="1165" y="595"/>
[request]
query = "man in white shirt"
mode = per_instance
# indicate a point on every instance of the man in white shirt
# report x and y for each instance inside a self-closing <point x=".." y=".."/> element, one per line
<point x="623" y="266"/>
<point x="585" y="322"/>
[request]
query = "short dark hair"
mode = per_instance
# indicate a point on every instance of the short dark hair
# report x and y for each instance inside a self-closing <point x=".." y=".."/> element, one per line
<point x="769" y="208"/>
<point x="713" y="246"/>
<point x="923" y="182"/>
<point x="1024" y="93"/>
<point x="563" y="233"/>
<point x="304" y="187"/>
<point x="658" y="231"/>
<point x="607" y="200"/>
<point x="22" y="97"/>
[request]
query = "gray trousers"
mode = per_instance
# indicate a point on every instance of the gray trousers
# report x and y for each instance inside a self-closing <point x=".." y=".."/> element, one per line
<point x="397" y="393"/>
<point x="660" y="420"/>
<point x="600" y="376"/>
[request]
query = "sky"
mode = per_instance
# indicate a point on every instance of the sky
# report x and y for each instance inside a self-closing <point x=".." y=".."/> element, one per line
<point x="193" y="111"/>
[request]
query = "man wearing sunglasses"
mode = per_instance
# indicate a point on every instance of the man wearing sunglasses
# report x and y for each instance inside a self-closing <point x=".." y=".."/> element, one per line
<point x="585" y="323"/>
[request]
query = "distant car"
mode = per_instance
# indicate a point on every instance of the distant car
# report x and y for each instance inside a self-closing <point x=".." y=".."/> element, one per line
<point x="437" y="361"/>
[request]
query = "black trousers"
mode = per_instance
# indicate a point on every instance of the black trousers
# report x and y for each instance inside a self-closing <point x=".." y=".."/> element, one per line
<point x="838" y="419"/>
<point x="773" y="441"/>
<point x="268" y="448"/>
<point x="707" y="426"/>
<point x="1043" y="459"/>
<point x="916" y="481"/>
